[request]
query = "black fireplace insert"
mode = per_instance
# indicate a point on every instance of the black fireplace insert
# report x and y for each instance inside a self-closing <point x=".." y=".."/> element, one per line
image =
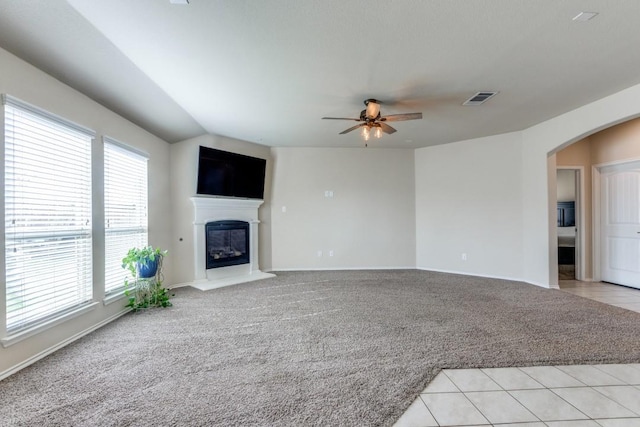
<point x="227" y="243"/>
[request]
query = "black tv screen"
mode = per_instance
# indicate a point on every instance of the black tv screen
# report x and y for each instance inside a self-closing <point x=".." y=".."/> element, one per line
<point x="221" y="173"/>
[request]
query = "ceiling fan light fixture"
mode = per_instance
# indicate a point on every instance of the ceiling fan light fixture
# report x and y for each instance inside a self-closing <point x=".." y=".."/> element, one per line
<point x="371" y="118"/>
<point x="373" y="108"/>
<point x="366" y="133"/>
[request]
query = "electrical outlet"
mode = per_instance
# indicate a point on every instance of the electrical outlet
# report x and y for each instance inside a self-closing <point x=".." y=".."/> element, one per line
<point x="284" y="209"/>
<point x="319" y="254"/>
<point x="464" y="256"/>
<point x="331" y="252"/>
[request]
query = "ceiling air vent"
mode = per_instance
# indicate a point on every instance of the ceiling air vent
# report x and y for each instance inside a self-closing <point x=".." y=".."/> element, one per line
<point x="479" y="98"/>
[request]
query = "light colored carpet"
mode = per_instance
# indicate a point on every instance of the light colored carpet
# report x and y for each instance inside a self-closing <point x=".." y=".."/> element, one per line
<point x="349" y="348"/>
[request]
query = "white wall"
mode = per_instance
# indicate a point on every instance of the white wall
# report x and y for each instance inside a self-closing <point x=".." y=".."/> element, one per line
<point x="468" y="200"/>
<point x="507" y="184"/>
<point x="183" y="177"/>
<point x="29" y="84"/>
<point x="566" y="185"/>
<point x="533" y="150"/>
<point x="368" y="223"/>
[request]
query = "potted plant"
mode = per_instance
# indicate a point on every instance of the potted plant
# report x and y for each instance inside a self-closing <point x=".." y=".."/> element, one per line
<point x="145" y="290"/>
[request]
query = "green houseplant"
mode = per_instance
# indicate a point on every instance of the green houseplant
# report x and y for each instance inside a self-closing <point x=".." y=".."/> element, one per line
<point x="145" y="290"/>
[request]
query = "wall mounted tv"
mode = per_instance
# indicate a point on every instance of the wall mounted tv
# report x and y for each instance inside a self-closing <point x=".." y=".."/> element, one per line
<point x="221" y="173"/>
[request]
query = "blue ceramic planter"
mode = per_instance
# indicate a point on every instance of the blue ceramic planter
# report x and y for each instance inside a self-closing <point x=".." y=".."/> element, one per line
<point x="147" y="270"/>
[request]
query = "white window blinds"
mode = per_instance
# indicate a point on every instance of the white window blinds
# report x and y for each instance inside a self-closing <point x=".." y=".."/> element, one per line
<point x="125" y="205"/>
<point x="47" y="215"/>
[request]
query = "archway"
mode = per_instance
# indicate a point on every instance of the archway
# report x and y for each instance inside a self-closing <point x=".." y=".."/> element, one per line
<point x="616" y="143"/>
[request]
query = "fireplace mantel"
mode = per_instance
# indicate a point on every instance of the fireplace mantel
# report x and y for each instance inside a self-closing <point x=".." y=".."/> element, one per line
<point x="209" y="209"/>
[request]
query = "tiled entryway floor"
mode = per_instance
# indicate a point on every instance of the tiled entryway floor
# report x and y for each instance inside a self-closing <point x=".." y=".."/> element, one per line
<point x="554" y="396"/>
<point x="619" y="296"/>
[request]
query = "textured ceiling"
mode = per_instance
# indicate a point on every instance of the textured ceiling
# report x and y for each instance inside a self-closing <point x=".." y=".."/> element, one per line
<point x="267" y="71"/>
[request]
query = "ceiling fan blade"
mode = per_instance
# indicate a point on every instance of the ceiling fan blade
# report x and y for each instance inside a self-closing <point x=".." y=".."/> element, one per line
<point x="386" y="128"/>
<point x="339" y="118"/>
<point x="401" y="117"/>
<point x="352" y="128"/>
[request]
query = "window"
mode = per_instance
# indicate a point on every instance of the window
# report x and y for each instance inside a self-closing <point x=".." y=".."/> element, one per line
<point x="125" y="208"/>
<point x="48" y="240"/>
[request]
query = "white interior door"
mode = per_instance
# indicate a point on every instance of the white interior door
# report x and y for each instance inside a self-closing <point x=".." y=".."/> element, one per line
<point x="620" y="224"/>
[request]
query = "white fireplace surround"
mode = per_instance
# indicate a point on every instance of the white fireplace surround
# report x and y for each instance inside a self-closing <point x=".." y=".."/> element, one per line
<point x="209" y="209"/>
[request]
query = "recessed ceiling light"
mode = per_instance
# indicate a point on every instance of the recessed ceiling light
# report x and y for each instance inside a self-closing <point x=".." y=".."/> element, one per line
<point x="179" y="1"/>
<point x="585" y="16"/>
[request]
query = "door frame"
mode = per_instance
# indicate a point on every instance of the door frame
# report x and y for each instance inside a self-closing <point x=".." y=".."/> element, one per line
<point x="596" y="175"/>
<point x="580" y="255"/>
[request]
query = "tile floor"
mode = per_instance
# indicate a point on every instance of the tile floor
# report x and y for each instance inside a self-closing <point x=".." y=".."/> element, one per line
<point x="560" y="396"/>
<point x="619" y="296"/>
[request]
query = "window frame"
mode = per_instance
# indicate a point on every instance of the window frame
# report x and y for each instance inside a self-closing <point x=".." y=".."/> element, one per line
<point x="24" y="328"/>
<point x="113" y="293"/>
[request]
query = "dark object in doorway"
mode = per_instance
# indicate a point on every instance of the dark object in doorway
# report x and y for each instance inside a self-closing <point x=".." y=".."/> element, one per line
<point x="566" y="214"/>
<point x="566" y="255"/>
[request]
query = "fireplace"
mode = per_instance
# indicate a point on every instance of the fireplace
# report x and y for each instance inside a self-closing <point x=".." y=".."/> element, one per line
<point x="227" y="243"/>
<point x="230" y="268"/>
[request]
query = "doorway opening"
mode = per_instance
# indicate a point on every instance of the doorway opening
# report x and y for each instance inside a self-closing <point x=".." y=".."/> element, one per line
<point x="569" y="223"/>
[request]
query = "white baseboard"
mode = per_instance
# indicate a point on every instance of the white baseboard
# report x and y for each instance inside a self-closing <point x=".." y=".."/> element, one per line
<point x="179" y="285"/>
<point x="512" y="279"/>
<point x="33" y="359"/>
<point x="341" y="269"/>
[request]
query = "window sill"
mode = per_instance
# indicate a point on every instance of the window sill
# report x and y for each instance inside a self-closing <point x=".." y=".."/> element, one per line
<point x="113" y="297"/>
<point x="16" y="337"/>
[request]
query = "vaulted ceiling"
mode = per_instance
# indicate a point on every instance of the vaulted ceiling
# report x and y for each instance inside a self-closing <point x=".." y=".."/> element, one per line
<point x="267" y="71"/>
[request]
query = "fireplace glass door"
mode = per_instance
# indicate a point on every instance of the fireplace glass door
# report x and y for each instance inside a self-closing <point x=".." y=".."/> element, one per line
<point x="227" y="243"/>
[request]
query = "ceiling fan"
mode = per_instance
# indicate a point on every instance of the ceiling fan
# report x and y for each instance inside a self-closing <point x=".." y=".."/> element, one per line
<point x="373" y="121"/>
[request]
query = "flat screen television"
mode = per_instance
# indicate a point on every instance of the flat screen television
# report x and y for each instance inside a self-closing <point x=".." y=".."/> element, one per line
<point x="221" y="173"/>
